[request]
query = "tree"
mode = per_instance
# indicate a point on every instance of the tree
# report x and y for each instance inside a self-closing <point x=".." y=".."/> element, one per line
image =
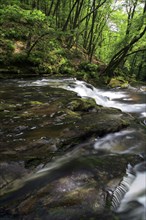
<point x="118" y="57"/>
<point x="121" y="55"/>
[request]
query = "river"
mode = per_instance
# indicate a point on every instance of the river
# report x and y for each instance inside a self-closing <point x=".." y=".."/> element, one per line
<point x="129" y="198"/>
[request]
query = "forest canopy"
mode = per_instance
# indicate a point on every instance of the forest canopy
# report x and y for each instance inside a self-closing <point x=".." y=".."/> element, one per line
<point x="111" y="32"/>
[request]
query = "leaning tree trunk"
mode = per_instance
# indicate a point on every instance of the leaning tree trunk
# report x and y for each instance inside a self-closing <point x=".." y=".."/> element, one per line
<point x="121" y="55"/>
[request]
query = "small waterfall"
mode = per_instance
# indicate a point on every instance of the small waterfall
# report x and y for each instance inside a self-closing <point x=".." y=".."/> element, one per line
<point x="115" y="98"/>
<point x="129" y="198"/>
<point x="123" y="188"/>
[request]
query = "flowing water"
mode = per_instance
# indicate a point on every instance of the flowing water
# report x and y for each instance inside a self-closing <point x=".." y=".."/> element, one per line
<point x="131" y="100"/>
<point x="129" y="141"/>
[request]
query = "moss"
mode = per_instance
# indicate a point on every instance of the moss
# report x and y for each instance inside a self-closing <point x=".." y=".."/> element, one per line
<point x="118" y="82"/>
<point x="125" y="123"/>
<point x="73" y="114"/>
<point x="82" y="105"/>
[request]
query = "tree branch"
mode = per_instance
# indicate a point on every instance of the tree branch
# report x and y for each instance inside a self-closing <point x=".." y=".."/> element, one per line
<point x="98" y="6"/>
<point x="136" y="51"/>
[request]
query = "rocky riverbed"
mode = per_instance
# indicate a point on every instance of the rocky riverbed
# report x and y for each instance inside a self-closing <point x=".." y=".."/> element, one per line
<point x="48" y="166"/>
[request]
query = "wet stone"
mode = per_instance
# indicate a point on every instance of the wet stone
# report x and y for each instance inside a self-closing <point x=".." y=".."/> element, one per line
<point x="49" y="169"/>
<point x="78" y="188"/>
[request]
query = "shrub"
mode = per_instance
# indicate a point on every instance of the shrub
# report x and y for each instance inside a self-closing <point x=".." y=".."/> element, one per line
<point x="87" y="67"/>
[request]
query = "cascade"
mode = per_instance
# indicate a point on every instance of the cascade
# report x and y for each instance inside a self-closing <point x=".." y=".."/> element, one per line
<point x="129" y="198"/>
<point x="115" y="98"/>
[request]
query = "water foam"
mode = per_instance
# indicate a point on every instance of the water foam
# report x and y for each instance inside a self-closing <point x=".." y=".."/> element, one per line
<point x="129" y="198"/>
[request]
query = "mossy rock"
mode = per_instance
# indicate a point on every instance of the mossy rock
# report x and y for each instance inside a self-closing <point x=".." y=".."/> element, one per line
<point x="84" y="105"/>
<point x="72" y="114"/>
<point x="118" y="82"/>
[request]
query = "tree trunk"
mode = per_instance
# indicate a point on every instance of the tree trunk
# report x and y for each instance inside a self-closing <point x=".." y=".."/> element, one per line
<point x="69" y="15"/>
<point x="119" y="57"/>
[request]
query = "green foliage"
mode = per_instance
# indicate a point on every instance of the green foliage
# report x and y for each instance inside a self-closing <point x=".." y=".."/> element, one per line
<point x="19" y="15"/>
<point x="9" y="2"/>
<point x="11" y="13"/>
<point x="19" y="24"/>
<point x="18" y="59"/>
<point x="55" y="32"/>
<point x="66" y="69"/>
<point x="88" y="71"/>
<point x="34" y="16"/>
<point x="88" y="67"/>
<point x="7" y="48"/>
